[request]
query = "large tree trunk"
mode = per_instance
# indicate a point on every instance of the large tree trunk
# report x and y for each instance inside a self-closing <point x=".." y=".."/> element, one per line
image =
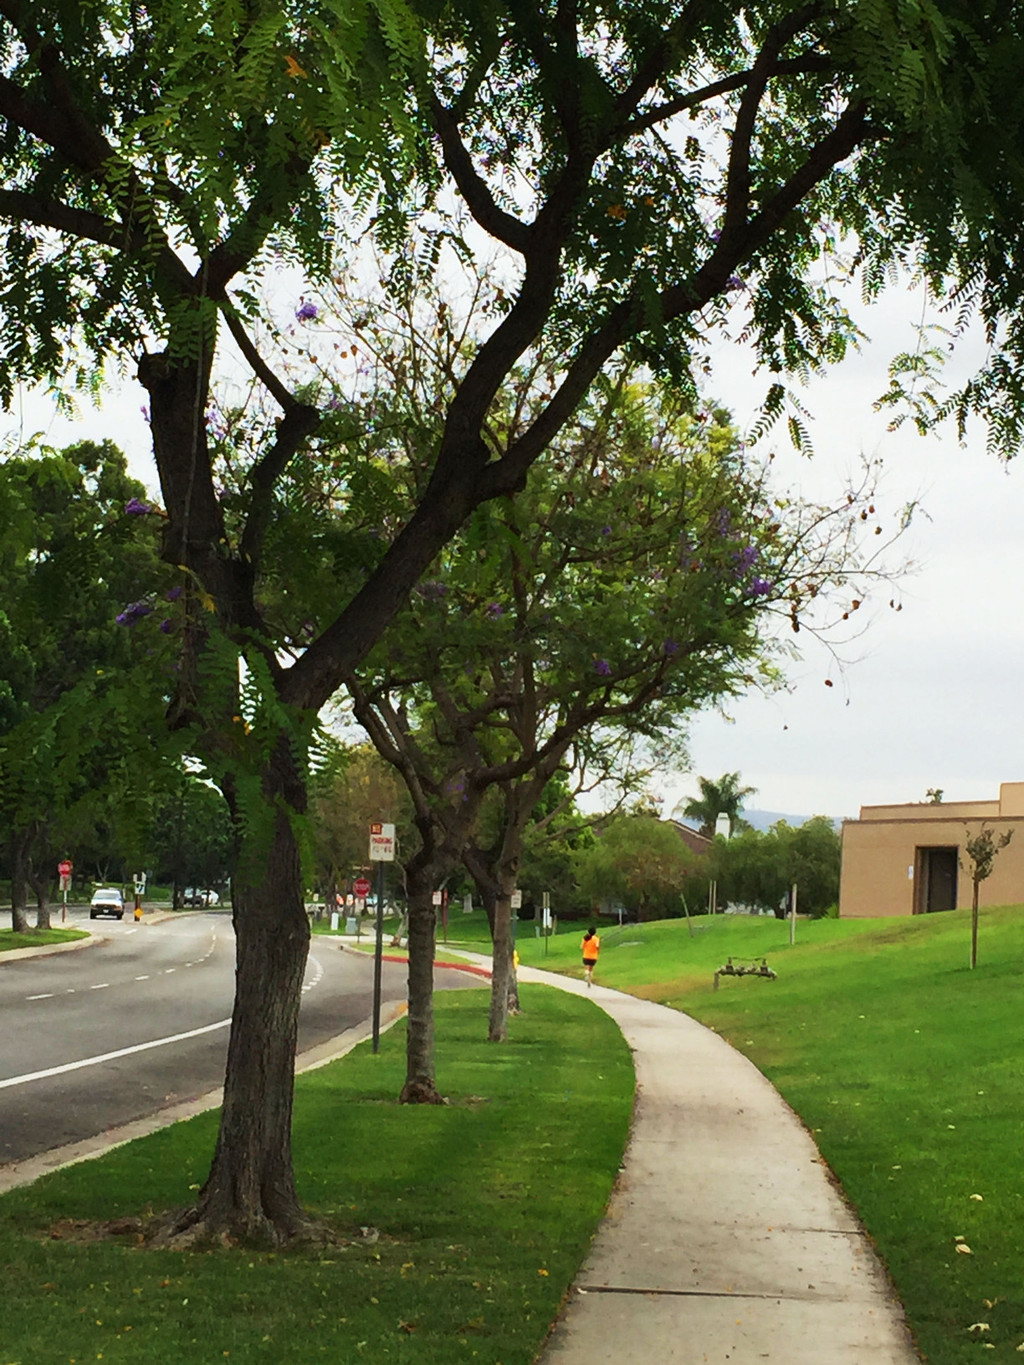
<point x="503" y="972"/>
<point x="250" y="1190"/>
<point x="20" y="842"/>
<point x="420" y="1085"/>
<point x="38" y="878"/>
<point x="41" y="886"/>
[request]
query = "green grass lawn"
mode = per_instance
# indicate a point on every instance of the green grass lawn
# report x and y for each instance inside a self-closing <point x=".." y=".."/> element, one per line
<point x="37" y="938"/>
<point x="907" y="1067"/>
<point x="477" y="1214"/>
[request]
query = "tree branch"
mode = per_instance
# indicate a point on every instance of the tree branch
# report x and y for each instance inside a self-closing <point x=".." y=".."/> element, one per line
<point x="473" y="188"/>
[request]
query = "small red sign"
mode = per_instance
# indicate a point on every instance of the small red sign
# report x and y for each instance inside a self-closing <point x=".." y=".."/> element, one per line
<point x="64" y="868"/>
<point x="361" y="887"/>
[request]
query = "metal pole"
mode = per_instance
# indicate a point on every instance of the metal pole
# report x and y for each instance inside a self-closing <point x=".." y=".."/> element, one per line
<point x="686" y="911"/>
<point x="792" y="916"/>
<point x="378" y="956"/>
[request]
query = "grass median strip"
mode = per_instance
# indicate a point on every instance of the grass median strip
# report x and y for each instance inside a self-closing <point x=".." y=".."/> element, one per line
<point x="37" y="938"/>
<point x="906" y="1066"/>
<point x="460" y="1227"/>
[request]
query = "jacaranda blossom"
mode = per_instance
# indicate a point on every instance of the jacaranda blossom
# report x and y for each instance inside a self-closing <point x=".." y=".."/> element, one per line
<point x="306" y="311"/>
<point x="135" y="507"/>
<point x="133" y="613"/>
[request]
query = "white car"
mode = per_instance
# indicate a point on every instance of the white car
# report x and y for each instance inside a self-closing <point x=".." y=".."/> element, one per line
<point x="106" y="900"/>
<point x="194" y="896"/>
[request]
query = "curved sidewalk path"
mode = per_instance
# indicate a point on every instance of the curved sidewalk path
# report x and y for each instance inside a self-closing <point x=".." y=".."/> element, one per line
<point x="725" y="1241"/>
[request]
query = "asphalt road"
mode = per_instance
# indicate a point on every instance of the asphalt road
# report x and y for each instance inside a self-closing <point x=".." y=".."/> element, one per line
<point x="139" y="1021"/>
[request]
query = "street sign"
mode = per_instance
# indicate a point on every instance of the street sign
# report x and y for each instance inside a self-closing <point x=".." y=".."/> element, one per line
<point x="436" y="898"/>
<point x="361" y="887"/>
<point x="516" y="900"/>
<point x="382" y="843"/>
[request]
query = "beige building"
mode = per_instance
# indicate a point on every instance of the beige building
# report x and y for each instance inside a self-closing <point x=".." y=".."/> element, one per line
<point x="910" y="860"/>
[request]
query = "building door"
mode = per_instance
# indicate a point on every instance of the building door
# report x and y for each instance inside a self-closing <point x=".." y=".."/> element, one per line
<point x="935" y="877"/>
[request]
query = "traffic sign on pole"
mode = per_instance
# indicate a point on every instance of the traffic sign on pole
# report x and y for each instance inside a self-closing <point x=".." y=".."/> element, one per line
<point x="382" y="843"/>
<point x="361" y="887"/>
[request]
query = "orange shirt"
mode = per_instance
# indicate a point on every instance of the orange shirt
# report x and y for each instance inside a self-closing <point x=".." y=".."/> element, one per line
<point x="591" y="947"/>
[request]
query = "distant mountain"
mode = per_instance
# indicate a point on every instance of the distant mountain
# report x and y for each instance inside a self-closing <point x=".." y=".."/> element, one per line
<point x="764" y="819"/>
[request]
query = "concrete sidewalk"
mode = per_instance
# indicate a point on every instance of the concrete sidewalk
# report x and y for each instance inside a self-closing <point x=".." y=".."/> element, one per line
<point x="725" y="1241"/>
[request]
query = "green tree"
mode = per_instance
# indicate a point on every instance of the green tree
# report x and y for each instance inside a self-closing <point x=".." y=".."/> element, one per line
<point x="724" y="797"/>
<point x="190" y="837"/>
<point x="982" y="849"/>
<point x="751" y="869"/>
<point x="84" y="688"/>
<point x="640" y="861"/>
<point x="759" y="869"/>
<point x="618" y="594"/>
<point x="676" y="166"/>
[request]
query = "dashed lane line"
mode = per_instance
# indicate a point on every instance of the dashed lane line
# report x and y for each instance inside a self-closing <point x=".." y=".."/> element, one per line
<point x="111" y="1056"/>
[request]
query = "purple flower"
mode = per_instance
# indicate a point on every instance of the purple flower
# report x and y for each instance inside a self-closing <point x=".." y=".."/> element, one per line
<point x="166" y="626"/>
<point x="133" y="613"/>
<point x="174" y="593"/>
<point x="723" y="521"/>
<point x="744" y="559"/>
<point x="606" y="530"/>
<point x="306" y="311"/>
<point x="145" y="411"/>
<point x="494" y="610"/>
<point x="734" y="282"/>
<point x="759" y="587"/>
<point x="135" y="507"/>
<point x="432" y="590"/>
<point x="603" y="667"/>
<point x="670" y="647"/>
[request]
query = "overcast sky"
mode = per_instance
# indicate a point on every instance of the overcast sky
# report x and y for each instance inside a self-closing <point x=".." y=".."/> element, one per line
<point x="929" y="697"/>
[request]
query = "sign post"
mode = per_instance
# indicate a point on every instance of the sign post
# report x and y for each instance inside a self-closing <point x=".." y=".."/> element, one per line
<point x="64" y="870"/>
<point x="382" y="850"/>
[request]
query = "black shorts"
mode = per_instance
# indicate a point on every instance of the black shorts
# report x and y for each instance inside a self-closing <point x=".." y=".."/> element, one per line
<point x="590" y="962"/>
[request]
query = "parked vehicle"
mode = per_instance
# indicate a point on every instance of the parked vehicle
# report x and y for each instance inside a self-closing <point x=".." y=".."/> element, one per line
<point x="106" y="900"/>
<point x="193" y="895"/>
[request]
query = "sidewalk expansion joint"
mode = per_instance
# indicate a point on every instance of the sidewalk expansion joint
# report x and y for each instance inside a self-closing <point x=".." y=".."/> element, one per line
<point x="776" y="1296"/>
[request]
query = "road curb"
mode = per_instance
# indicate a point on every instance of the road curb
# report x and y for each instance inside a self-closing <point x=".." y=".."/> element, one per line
<point x="471" y="967"/>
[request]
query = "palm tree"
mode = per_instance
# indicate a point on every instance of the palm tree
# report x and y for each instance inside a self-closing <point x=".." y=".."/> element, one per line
<point x="724" y="797"/>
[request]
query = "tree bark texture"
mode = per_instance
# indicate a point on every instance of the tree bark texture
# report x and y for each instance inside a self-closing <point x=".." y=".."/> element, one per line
<point x="502" y="970"/>
<point x="420" y="1085"/>
<point x="250" y="1191"/>
<point x="19" y="881"/>
<point x="974" y="928"/>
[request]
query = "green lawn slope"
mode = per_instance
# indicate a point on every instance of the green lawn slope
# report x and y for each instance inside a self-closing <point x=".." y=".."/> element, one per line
<point x="909" y="1070"/>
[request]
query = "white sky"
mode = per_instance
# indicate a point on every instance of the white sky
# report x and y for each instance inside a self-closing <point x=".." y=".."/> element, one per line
<point x="930" y="696"/>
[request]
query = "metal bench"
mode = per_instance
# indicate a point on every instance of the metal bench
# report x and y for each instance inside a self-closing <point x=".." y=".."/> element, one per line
<point x="732" y="968"/>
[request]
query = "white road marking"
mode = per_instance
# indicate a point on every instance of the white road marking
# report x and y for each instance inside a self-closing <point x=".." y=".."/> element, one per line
<point x="104" y="985"/>
<point x="142" y="978"/>
<point x="317" y="974"/>
<point x="111" y="1056"/>
<point x="46" y="996"/>
<point x="168" y="970"/>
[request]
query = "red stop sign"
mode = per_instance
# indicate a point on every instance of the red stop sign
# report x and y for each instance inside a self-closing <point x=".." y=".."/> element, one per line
<point x="361" y="887"/>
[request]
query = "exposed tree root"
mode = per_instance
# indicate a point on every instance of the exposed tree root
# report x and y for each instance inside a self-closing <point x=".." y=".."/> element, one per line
<point x="421" y="1092"/>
